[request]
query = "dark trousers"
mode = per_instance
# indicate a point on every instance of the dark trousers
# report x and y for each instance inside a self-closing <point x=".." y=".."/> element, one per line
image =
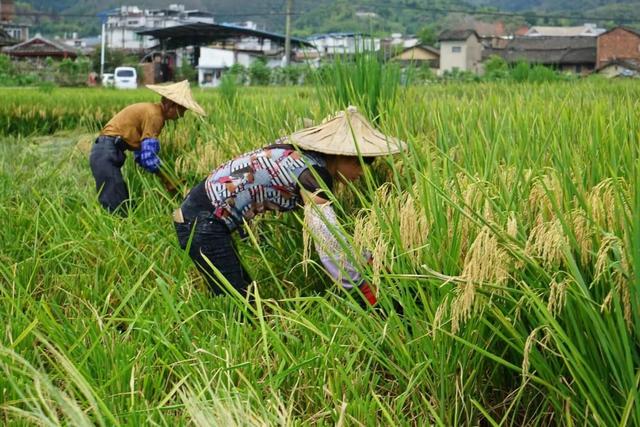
<point x="106" y="159"/>
<point x="211" y="240"/>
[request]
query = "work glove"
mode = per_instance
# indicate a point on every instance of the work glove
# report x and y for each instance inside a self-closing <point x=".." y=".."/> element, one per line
<point x="368" y="294"/>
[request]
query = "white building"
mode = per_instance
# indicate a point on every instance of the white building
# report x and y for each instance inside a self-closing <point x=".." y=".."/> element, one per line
<point x="214" y="62"/>
<point x="402" y="41"/>
<point x="85" y="44"/>
<point x="460" y="50"/>
<point x="16" y="31"/>
<point x="343" y="43"/>
<point x="124" y="23"/>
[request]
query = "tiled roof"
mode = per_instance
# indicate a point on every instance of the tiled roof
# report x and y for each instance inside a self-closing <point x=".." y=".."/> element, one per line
<point x="39" y="46"/>
<point x="456" y="35"/>
<point x="548" y="50"/>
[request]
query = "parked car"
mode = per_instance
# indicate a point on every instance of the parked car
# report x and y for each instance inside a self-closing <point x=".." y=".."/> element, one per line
<point x="126" y="78"/>
<point x="107" y="80"/>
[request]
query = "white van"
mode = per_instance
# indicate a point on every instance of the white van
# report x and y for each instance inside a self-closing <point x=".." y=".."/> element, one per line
<point x="125" y="78"/>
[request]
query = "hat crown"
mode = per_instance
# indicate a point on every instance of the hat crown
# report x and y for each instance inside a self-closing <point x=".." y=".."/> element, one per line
<point x="347" y="133"/>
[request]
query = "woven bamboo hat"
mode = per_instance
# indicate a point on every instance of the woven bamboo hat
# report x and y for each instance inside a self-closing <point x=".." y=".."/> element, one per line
<point x="347" y="133"/>
<point x="180" y="93"/>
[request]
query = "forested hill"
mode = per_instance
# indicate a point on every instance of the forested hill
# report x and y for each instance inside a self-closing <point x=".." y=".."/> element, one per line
<point x="317" y="16"/>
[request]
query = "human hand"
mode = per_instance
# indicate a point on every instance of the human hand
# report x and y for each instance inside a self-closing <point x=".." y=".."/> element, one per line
<point x="171" y="189"/>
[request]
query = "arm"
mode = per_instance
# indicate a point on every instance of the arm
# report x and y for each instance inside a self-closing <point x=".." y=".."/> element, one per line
<point x="147" y="157"/>
<point x="148" y="154"/>
<point x="331" y="245"/>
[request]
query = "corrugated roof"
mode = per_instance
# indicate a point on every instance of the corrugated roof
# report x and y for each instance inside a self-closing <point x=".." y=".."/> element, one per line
<point x="335" y="34"/>
<point x="564" y="31"/>
<point x="200" y="33"/>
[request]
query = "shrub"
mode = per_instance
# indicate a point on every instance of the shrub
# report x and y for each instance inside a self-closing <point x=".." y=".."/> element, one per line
<point x="460" y="76"/>
<point x="259" y="73"/>
<point x="524" y="72"/>
<point x="496" y="68"/>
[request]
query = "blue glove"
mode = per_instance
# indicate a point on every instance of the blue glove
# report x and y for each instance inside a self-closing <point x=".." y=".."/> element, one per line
<point x="147" y="155"/>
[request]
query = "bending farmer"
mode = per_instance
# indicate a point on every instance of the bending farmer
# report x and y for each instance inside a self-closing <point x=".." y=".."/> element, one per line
<point x="281" y="177"/>
<point x="136" y="128"/>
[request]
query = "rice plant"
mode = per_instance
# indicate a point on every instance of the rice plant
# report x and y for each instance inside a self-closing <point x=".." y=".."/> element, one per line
<point x="508" y="234"/>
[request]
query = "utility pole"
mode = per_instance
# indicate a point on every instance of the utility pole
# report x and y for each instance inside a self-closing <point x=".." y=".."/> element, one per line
<point x="287" y="39"/>
<point x="102" y="48"/>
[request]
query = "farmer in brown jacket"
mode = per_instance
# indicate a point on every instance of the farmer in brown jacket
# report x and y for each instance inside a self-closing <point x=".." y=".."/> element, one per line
<point x="136" y="128"/>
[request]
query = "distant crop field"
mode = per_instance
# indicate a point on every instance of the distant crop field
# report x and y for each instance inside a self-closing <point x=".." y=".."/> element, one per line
<point x="509" y="232"/>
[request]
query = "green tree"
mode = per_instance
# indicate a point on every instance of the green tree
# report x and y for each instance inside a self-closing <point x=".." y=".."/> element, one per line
<point x="428" y="35"/>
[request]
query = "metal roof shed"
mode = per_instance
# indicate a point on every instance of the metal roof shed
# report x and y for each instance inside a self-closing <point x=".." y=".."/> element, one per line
<point x="200" y="34"/>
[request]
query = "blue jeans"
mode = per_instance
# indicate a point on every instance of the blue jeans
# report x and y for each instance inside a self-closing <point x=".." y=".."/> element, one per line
<point x="105" y="160"/>
<point x="211" y="240"/>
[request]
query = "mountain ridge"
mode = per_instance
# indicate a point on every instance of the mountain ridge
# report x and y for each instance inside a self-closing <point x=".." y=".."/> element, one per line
<point x="318" y="16"/>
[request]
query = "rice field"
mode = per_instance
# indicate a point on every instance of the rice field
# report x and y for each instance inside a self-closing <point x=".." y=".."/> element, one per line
<point x="509" y="233"/>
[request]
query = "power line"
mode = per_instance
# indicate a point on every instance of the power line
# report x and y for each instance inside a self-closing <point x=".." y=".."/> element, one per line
<point x="508" y="14"/>
<point x="86" y="15"/>
<point x="414" y="7"/>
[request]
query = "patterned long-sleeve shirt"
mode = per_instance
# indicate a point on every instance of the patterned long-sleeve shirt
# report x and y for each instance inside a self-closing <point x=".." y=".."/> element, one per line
<point x="270" y="179"/>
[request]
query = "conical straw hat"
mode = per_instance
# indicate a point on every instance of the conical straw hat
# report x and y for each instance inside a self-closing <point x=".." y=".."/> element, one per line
<point x="180" y="93"/>
<point x="348" y="133"/>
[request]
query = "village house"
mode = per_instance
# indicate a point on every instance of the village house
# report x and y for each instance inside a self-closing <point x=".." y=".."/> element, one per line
<point x="460" y="50"/>
<point x="399" y="41"/>
<point x="85" y="45"/>
<point x="214" y="62"/>
<point x="19" y="32"/>
<point x="618" y="44"/>
<point x="396" y="43"/>
<point x="566" y="54"/>
<point x="343" y="43"/>
<point x="420" y="55"/>
<point x="38" y="49"/>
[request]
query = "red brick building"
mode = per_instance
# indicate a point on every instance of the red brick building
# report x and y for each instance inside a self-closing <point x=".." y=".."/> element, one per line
<point x="618" y="44"/>
<point x="7" y="10"/>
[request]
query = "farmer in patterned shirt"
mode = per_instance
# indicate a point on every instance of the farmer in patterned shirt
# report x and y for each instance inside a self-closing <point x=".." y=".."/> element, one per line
<point x="136" y="128"/>
<point x="294" y="171"/>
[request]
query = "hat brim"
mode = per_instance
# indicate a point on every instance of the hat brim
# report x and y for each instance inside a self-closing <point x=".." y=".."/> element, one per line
<point x="347" y="134"/>
<point x="179" y="93"/>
